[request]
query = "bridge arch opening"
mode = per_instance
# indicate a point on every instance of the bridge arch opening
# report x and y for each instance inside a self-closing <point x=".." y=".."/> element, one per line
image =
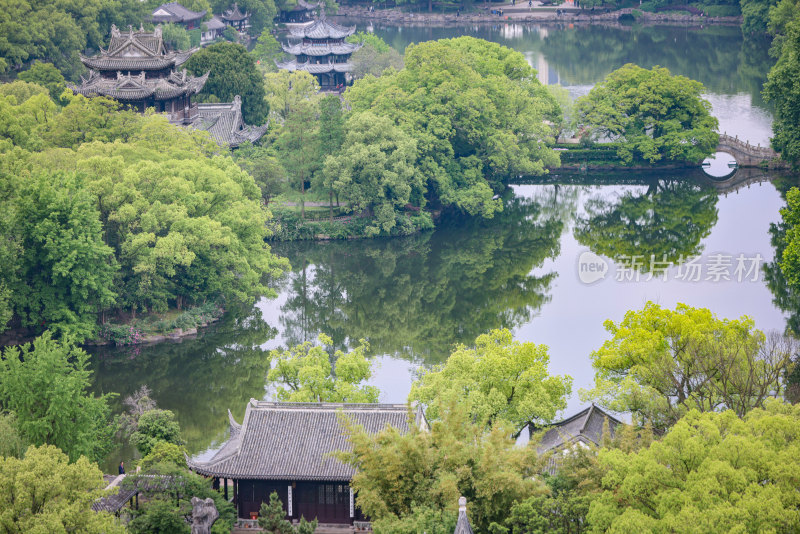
<point x="720" y="165"/>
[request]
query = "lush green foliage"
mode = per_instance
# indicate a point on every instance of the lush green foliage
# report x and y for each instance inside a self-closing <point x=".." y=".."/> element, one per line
<point x="159" y="516"/>
<point x="653" y="114"/>
<point x="476" y="111"/>
<point x="110" y="210"/>
<point x="46" y="75"/>
<point x="11" y="443"/>
<point x="287" y="91"/>
<point x="271" y="518"/>
<point x="498" y="380"/>
<point x="304" y="374"/>
<point x="176" y="37"/>
<point x="233" y="72"/>
<point x="44" y="493"/>
<point x="57" y="32"/>
<point x="781" y="88"/>
<point x="266" y="51"/>
<point x="260" y="163"/>
<point x="46" y="385"/>
<point x="375" y="171"/>
<point x="153" y="427"/>
<point x="712" y="472"/>
<point x="164" y="452"/>
<point x="374" y="57"/>
<point x="660" y="363"/>
<point x="403" y="476"/>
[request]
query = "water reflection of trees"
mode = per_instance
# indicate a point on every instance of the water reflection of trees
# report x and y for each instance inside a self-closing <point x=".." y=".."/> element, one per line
<point x="418" y="296"/>
<point x="199" y="379"/>
<point x="667" y="220"/>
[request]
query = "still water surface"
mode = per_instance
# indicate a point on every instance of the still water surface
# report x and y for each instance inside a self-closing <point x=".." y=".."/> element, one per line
<point x="414" y="298"/>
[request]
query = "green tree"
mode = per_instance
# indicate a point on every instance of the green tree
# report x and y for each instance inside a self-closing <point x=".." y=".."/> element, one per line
<point x="176" y="37"/>
<point x="159" y="516"/>
<point x="375" y="171"/>
<point x="46" y="75"/>
<point x="304" y="373"/>
<point x="45" y="384"/>
<point x="298" y="147"/>
<point x="156" y="426"/>
<point x="477" y="112"/>
<point x="266" y="51"/>
<point x="233" y="72"/>
<point x="401" y="476"/>
<point x="653" y="114"/>
<point x="21" y="91"/>
<point x="660" y="363"/>
<point x="272" y="518"/>
<point x="164" y="452"/>
<point x="500" y="379"/>
<point x="11" y="443"/>
<point x="374" y="56"/>
<point x="712" y="472"/>
<point x="261" y="163"/>
<point x="780" y="89"/>
<point x="287" y="91"/>
<point x="44" y="492"/>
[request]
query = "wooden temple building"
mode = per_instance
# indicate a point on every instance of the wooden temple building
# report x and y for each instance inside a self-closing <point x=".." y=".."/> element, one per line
<point x="139" y="72"/>
<point x="236" y="18"/>
<point x="284" y="447"/>
<point x="302" y="13"/>
<point x="177" y="14"/>
<point x="320" y="49"/>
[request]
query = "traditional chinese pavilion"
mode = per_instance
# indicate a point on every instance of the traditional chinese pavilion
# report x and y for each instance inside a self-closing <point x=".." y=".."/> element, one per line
<point x="320" y="49"/>
<point x="137" y="70"/>
<point x="285" y="447"/>
<point x="177" y="14"/>
<point x="301" y="13"/>
<point x="234" y="17"/>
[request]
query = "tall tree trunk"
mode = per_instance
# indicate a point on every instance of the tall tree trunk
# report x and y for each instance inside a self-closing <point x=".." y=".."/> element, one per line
<point x="330" y="204"/>
<point x="302" y="196"/>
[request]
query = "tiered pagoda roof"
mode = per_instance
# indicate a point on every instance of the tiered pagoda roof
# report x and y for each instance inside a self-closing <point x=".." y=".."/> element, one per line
<point x="322" y="29"/>
<point x="224" y="123"/>
<point x="315" y="68"/>
<point x="175" y="13"/>
<point x="310" y="49"/>
<point x="138" y="87"/>
<point x="302" y="5"/>
<point x="136" y="51"/>
<point x="234" y="15"/>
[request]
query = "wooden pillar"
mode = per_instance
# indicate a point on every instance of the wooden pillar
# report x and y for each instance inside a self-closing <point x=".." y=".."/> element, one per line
<point x="235" y="492"/>
<point x="225" y="485"/>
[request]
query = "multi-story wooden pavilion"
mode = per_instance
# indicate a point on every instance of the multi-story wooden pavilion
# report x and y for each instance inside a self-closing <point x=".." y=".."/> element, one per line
<point x="236" y="18"/>
<point x="137" y="70"/>
<point x="321" y="49"/>
<point x="285" y="447"/>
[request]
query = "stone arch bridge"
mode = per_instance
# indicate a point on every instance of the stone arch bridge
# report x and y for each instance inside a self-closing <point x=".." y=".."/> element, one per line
<point x="745" y="154"/>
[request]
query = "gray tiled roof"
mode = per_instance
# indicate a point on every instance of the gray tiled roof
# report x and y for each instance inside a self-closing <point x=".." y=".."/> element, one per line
<point x="133" y="87"/>
<point x="129" y="486"/>
<point x="176" y="13"/>
<point x="322" y="29"/>
<point x="315" y="68"/>
<point x="224" y="123"/>
<point x="215" y="24"/>
<point x="307" y="49"/>
<point x="234" y="14"/>
<point x="585" y="426"/>
<point x="136" y="51"/>
<point x="291" y="441"/>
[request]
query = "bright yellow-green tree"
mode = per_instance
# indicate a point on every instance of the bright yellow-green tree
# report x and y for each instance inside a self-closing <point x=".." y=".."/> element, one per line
<point x="711" y="473"/>
<point x="501" y="380"/>
<point x="43" y="493"/>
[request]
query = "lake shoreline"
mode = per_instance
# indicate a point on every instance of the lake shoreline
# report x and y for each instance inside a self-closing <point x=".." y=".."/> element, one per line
<point x="519" y="14"/>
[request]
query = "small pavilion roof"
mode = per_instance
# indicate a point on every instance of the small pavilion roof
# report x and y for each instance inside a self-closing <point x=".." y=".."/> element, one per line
<point x="322" y="29"/>
<point x="585" y="426"/>
<point x="174" y="12"/>
<point x="224" y="123"/>
<point x="234" y="15"/>
<point x="292" y="441"/>
<point x="136" y="51"/>
<point x="215" y="24"/>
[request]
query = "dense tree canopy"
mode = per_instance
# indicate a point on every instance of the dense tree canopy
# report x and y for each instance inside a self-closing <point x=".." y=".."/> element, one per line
<point x="476" y="111"/>
<point x="46" y="75"/>
<point x="499" y="380"/>
<point x="46" y="385"/>
<point x="44" y="492"/>
<point x="233" y="72"/>
<point x="712" y="472"/>
<point x="653" y="114"/>
<point x="660" y="363"/>
<point x="154" y="427"/>
<point x="781" y="88"/>
<point x="304" y="373"/>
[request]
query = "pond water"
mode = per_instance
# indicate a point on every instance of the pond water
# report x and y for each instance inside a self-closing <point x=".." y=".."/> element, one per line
<point x="567" y="252"/>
